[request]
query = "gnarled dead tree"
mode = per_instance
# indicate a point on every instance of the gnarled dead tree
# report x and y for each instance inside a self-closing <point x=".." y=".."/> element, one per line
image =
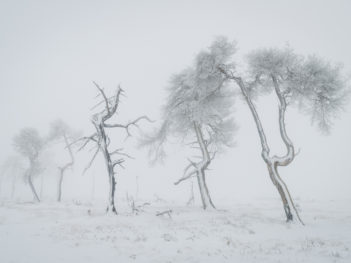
<point x="102" y="141"/>
<point x="312" y="84"/>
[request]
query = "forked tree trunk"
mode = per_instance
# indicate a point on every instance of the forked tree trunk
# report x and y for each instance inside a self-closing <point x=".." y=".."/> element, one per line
<point x="273" y="162"/>
<point x="35" y="195"/>
<point x="30" y="171"/>
<point x="109" y="165"/>
<point x="287" y="158"/>
<point x="201" y="168"/>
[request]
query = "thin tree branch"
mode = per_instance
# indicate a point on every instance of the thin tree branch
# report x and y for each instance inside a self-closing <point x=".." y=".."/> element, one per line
<point x="104" y="96"/>
<point x="127" y="126"/>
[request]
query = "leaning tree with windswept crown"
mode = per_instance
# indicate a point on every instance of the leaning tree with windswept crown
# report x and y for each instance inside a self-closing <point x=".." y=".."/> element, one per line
<point x="313" y="85"/>
<point x="198" y="107"/>
<point x="29" y="144"/>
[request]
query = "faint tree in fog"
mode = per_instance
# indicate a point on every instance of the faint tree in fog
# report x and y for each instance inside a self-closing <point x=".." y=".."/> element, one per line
<point x="29" y="144"/>
<point x="198" y="107"/>
<point x="60" y="131"/>
<point x="102" y="141"/>
<point x="11" y="168"/>
<point x="313" y="85"/>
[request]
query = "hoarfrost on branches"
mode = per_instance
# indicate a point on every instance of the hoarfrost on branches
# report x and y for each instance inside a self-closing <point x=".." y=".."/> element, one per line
<point x="199" y="105"/>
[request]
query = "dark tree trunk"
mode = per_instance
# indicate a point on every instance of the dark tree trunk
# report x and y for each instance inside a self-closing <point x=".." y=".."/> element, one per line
<point x="111" y="202"/>
<point x="35" y="195"/>
<point x="109" y="166"/>
<point x="59" y="187"/>
<point x="204" y="193"/>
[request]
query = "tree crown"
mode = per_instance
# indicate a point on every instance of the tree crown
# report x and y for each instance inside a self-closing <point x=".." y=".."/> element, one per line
<point x="28" y="143"/>
<point x="200" y="95"/>
<point x="314" y="85"/>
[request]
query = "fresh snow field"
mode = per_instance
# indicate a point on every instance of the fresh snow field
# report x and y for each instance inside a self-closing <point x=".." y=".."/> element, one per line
<point x="243" y="232"/>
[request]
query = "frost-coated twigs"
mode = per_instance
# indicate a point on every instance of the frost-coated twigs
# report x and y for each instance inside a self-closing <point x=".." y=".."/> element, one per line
<point x="198" y="105"/>
<point x="127" y="125"/>
<point x="102" y="140"/>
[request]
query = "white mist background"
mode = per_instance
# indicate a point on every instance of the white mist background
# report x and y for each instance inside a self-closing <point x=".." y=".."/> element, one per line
<point x="51" y="51"/>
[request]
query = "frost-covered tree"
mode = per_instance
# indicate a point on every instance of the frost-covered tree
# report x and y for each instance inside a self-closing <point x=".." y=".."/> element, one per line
<point x="101" y="121"/>
<point x="312" y="84"/>
<point x="29" y="144"/>
<point x="198" y="107"/>
<point x="60" y="131"/>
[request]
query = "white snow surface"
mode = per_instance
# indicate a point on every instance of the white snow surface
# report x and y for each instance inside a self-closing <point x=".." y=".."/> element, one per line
<point x="243" y="232"/>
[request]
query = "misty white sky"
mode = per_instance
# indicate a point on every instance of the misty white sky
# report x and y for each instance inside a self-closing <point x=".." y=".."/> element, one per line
<point x="51" y="51"/>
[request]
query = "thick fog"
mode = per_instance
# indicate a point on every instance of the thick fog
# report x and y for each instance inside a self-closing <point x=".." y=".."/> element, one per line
<point x="51" y="51"/>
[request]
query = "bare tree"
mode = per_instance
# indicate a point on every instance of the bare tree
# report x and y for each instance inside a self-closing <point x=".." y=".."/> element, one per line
<point x="60" y="131"/>
<point x="198" y="105"/>
<point x="102" y="140"/>
<point x="29" y="143"/>
<point x="310" y="83"/>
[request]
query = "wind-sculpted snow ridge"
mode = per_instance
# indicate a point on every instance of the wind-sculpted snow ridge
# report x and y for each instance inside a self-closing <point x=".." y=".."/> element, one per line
<point x="244" y="232"/>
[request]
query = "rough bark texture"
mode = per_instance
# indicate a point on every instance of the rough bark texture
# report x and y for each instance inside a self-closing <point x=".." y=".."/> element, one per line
<point x="102" y="141"/>
<point x="98" y="123"/>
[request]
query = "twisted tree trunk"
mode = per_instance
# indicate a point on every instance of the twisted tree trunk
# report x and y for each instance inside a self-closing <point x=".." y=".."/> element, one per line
<point x="201" y="168"/>
<point x="30" y="182"/>
<point x="99" y="125"/>
<point x="272" y="162"/>
<point x="288" y="157"/>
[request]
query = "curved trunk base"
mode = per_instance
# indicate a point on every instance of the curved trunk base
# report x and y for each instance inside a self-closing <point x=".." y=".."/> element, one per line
<point x="111" y="209"/>
<point x="284" y="198"/>
<point x="289" y="216"/>
<point x="111" y="200"/>
<point x="59" y="189"/>
<point x="204" y="193"/>
<point x="36" y="197"/>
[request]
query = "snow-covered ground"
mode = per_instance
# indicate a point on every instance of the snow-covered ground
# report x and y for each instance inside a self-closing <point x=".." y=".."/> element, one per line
<point x="244" y="232"/>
